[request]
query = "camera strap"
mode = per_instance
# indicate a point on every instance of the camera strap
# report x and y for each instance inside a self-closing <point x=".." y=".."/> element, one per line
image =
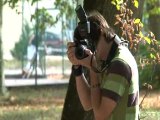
<point x="120" y="41"/>
<point x="97" y="69"/>
<point x="104" y="64"/>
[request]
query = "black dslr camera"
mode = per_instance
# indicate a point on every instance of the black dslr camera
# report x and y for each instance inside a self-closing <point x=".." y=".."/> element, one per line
<point x="81" y="33"/>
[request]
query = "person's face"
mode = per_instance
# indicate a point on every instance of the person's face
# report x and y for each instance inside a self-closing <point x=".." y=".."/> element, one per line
<point x="103" y="48"/>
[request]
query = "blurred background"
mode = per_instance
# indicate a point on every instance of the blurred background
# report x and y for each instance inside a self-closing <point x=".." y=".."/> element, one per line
<point x="20" y="24"/>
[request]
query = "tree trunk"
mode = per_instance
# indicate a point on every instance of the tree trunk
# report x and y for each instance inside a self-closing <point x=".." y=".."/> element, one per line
<point x="2" y="87"/>
<point x="72" y="107"/>
<point x="154" y="19"/>
<point x="154" y="25"/>
<point x="1" y="55"/>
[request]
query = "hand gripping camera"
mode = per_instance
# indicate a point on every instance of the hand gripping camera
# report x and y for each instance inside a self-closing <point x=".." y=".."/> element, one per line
<point x="81" y="34"/>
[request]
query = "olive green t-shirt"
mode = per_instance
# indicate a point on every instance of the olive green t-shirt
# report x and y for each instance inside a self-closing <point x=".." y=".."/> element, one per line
<point x="120" y="82"/>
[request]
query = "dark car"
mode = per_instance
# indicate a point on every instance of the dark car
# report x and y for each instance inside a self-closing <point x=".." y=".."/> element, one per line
<point x="54" y="43"/>
<point x="53" y="40"/>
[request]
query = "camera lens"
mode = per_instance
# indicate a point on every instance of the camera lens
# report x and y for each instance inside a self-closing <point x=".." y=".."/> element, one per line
<point x="80" y="52"/>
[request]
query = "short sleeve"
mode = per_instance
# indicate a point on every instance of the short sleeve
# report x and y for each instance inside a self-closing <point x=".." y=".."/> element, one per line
<point x="116" y="80"/>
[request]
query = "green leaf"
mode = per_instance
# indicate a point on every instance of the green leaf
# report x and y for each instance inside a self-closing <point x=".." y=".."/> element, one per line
<point x="141" y="34"/>
<point x="136" y="21"/>
<point x="152" y="56"/>
<point x="118" y="7"/>
<point x="113" y="2"/>
<point x="141" y="24"/>
<point x="147" y="39"/>
<point x="119" y="2"/>
<point x="136" y="4"/>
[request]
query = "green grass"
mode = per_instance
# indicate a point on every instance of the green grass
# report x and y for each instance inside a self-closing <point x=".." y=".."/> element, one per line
<point x="58" y="62"/>
<point x="150" y="114"/>
<point x="29" y="103"/>
<point x="50" y="61"/>
<point x="22" y="113"/>
<point x="12" y="64"/>
<point x="46" y="103"/>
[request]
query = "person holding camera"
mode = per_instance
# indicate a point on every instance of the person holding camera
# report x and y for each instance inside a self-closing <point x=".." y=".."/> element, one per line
<point x="113" y="90"/>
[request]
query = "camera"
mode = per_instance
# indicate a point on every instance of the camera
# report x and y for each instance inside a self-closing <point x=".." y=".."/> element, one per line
<point x="81" y="34"/>
<point x="86" y="34"/>
<point x="80" y="49"/>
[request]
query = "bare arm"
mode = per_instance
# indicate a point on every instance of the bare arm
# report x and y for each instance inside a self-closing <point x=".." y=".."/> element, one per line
<point x="91" y="97"/>
<point x="84" y="92"/>
<point x="104" y="102"/>
<point x="81" y="82"/>
<point x="102" y="106"/>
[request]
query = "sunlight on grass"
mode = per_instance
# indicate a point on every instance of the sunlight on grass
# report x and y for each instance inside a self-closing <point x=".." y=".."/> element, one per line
<point x="46" y="103"/>
<point x="31" y="113"/>
<point x="12" y="64"/>
<point x="150" y="114"/>
<point x="33" y="103"/>
<point x="56" y="61"/>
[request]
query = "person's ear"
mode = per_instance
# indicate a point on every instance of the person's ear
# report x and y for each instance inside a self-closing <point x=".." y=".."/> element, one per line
<point x="101" y="30"/>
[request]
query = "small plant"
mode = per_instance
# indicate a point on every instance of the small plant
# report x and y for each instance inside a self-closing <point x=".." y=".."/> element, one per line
<point x="144" y="46"/>
<point x="20" y="48"/>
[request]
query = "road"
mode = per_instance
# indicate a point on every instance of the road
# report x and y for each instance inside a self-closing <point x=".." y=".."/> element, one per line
<point x="54" y="76"/>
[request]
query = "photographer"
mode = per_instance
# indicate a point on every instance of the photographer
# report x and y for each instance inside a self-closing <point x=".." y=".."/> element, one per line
<point x="113" y="92"/>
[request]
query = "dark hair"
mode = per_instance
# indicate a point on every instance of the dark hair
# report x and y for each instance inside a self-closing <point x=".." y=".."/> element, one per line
<point x="98" y="22"/>
<point x="96" y="18"/>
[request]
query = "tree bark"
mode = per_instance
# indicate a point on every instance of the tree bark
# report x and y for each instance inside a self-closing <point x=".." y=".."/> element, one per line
<point x="3" y="90"/>
<point x="154" y="18"/>
<point x="154" y="25"/>
<point x="72" y="103"/>
<point x="72" y="107"/>
<point x="1" y="50"/>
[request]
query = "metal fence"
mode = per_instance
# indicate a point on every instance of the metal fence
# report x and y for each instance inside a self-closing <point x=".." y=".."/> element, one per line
<point x="50" y="64"/>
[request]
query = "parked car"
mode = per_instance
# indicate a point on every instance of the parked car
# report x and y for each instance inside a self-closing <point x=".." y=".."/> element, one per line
<point x="54" y="44"/>
<point x="53" y="40"/>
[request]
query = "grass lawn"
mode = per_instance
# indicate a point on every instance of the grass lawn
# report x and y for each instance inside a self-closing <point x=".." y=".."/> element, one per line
<point x="41" y="103"/>
<point x="151" y="106"/>
<point x="55" y="61"/>
<point x="150" y="114"/>
<point x="46" y="103"/>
